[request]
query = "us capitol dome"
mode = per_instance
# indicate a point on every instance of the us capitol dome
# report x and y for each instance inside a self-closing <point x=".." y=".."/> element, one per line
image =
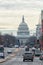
<point x="23" y="32"/>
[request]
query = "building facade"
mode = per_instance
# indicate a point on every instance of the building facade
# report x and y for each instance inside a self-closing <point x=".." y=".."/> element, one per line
<point x="41" y="38"/>
<point x="38" y="31"/>
<point x="23" y="32"/>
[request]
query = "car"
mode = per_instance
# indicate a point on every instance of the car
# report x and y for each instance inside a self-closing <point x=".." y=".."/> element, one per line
<point x="16" y="46"/>
<point x="2" y="55"/>
<point x="41" y="57"/>
<point x="37" y="52"/>
<point x="28" y="56"/>
<point x="27" y="49"/>
<point x="25" y="46"/>
<point x="33" y="49"/>
<point x="21" y="46"/>
<point x="9" y="51"/>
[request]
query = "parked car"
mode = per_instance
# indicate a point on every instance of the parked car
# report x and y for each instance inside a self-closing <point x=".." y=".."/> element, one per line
<point x="2" y="55"/>
<point x="37" y="52"/>
<point x="28" y="56"/>
<point x="41" y="57"/>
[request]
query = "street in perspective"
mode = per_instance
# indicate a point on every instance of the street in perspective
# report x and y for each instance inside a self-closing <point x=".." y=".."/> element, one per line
<point x="21" y="32"/>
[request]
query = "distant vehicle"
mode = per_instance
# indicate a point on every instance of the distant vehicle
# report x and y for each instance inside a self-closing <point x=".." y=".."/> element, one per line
<point x="41" y="57"/>
<point x="22" y="46"/>
<point x="25" y="46"/>
<point x="2" y="51"/>
<point x="26" y="49"/>
<point x="16" y="46"/>
<point x="37" y="52"/>
<point x="9" y="51"/>
<point x="28" y="56"/>
<point x="33" y="49"/>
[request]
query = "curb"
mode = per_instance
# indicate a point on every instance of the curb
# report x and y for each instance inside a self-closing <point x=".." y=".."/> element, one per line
<point x="4" y="60"/>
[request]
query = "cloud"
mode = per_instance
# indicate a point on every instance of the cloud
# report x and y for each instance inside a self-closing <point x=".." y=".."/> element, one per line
<point x="21" y="4"/>
<point x="29" y="8"/>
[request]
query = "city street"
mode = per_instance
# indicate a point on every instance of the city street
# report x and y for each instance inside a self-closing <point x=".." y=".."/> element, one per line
<point x="21" y="32"/>
<point x="18" y="60"/>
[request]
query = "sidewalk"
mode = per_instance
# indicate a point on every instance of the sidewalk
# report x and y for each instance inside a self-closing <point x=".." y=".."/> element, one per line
<point x="9" y="57"/>
<point x="3" y="60"/>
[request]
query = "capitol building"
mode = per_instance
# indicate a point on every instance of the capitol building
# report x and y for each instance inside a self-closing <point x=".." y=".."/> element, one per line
<point x="23" y="32"/>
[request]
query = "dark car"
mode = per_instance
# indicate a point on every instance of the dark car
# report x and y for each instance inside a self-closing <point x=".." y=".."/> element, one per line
<point x="28" y="56"/>
<point x="41" y="57"/>
<point x="27" y="49"/>
<point x="2" y="55"/>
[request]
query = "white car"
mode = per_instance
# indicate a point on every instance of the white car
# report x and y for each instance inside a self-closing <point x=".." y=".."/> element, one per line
<point x="33" y="48"/>
<point x="28" y="55"/>
<point x="9" y="51"/>
<point x="37" y="52"/>
<point x="16" y="46"/>
<point x="1" y="55"/>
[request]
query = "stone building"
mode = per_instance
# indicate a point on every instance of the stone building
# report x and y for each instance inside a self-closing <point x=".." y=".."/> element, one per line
<point x="23" y="32"/>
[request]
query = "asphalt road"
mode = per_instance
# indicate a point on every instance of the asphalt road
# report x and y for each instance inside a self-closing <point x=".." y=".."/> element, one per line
<point x="18" y="60"/>
<point x="7" y="49"/>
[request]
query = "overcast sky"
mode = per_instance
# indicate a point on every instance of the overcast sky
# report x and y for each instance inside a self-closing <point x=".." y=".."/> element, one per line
<point x="11" y="12"/>
<point x="24" y="4"/>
